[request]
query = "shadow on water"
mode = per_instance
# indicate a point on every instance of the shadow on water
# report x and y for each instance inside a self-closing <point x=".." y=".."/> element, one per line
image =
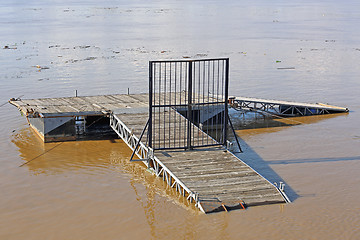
<point x="254" y="124"/>
<point x="251" y="158"/>
<point x="313" y="160"/>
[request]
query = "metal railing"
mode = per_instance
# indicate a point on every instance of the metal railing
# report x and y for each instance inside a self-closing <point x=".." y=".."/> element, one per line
<point x="187" y="102"/>
<point x="146" y="155"/>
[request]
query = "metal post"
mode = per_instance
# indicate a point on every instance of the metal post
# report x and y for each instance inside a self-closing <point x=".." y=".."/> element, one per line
<point x="189" y="111"/>
<point x="150" y="103"/>
<point x="235" y="136"/>
<point x="138" y="143"/>
<point x="226" y="99"/>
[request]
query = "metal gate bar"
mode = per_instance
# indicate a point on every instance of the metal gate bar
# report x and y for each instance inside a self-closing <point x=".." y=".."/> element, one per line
<point x="186" y="96"/>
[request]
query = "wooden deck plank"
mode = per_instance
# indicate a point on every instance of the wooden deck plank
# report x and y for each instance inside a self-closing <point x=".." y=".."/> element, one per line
<point x="216" y="175"/>
<point x="238" y="190"/>
<point x="141" y="98"/>
<point x="205" y="163"/>
<point x="245" y="195"/>
<point x="228" y="180"/>
<point x="226" y="185"/>
<point x="202" y="167"/>
<point x="253" y="199"/>
<point x="175" y="159"/>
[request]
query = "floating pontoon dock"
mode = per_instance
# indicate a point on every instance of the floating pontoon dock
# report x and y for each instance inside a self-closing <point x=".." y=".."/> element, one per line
<point x="179" y="130"/>
<point x="212" y="177"/>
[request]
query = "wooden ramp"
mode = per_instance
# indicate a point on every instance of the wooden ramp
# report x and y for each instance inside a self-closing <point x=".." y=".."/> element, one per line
<point x="212" y="176"/>
<point x="219" y="178"/>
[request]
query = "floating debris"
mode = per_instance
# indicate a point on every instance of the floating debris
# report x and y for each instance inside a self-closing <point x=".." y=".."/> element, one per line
<point x="77" y="60"/>
<point x="108" y="57"/>
<point x="33" y="9"/>
<point x="8" y="47"/>
<point x="71" y="61"/>
<point x="90" y="58"/>
<point x="42" y="79"/>
<point x="278" y="61"/>
<point x="107" y="8"/>
<point x="84" y="46"/>
<point x="41" y="67"/>
<point x="286" y="68"/>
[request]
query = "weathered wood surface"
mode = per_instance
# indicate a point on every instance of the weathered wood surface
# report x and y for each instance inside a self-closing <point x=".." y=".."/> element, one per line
<point x="214" y="173"/>
<point x="169" y="130"/>
<point x="81" y="105"/>
<point x="97" y="105"/>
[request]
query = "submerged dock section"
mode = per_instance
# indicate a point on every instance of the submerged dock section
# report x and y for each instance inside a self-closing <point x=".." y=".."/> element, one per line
<point x="284" y="108"/>
<point x="179" y="130"/>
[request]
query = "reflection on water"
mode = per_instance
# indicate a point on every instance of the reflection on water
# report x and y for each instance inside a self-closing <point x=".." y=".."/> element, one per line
<point x="52" y="158"/>
<point x="90" y="157"/>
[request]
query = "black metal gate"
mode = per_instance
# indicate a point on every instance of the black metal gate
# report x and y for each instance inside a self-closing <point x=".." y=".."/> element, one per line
<point x="188" y="102"/>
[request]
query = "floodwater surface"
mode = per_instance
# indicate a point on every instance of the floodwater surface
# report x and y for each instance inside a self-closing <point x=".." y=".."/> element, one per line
<point x="288" y="50"/>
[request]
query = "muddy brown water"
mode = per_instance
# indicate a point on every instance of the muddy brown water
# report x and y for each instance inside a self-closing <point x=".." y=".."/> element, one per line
<point x="89" y="190"/>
